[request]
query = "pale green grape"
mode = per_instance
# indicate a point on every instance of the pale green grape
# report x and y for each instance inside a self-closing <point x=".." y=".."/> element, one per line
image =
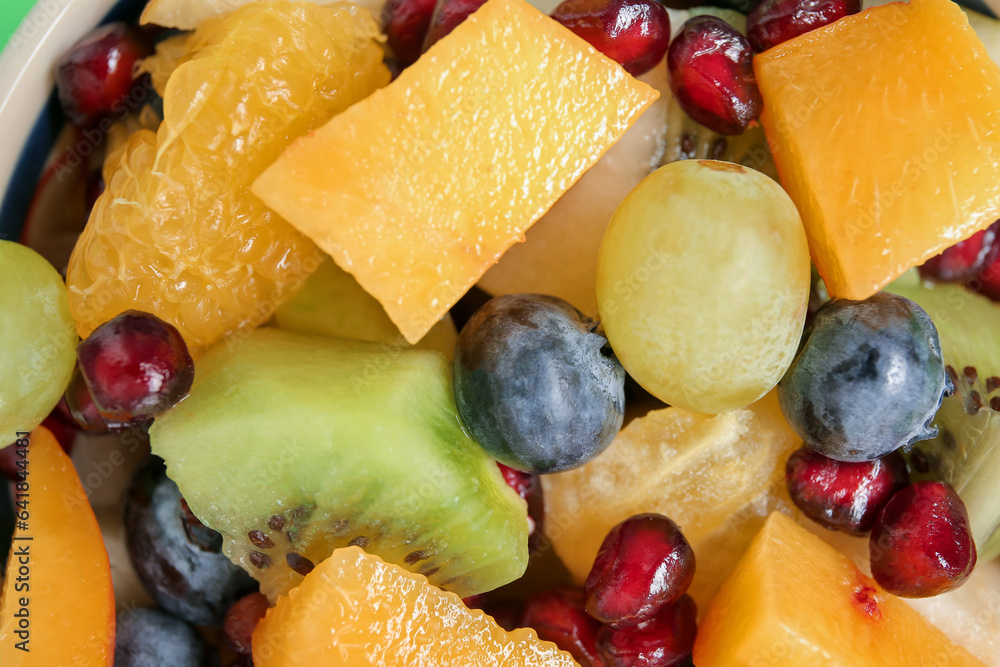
<point x="38" y="339"/>
<point x="702" y="284"/>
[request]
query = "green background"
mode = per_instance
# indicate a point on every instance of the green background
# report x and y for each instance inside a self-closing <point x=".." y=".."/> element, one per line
<point x="11" y="13"/>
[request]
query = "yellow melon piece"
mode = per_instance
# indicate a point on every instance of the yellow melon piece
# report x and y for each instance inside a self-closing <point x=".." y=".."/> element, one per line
<point x="717" y="476"/>
<point x="885" y="128"/>
<point x="420" y="188"/>
<point x="354" y="609"/>
<point x="794" y="601"/>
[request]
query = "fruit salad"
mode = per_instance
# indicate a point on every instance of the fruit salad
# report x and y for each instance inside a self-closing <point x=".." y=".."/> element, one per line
<point x="502" y="332"/>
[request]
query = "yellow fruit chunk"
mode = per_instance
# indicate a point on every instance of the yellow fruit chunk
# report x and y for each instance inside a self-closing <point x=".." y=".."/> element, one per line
<point x="717" y="476"/>
<point x="420" y="188"/>
<point x="331" y="303"/>
<point x="58" y="606"/>
<point x="177" y="232"/>
<point x="354" y="609"/>
<point x="794" y="601"/>
<point x="891" y="153"/>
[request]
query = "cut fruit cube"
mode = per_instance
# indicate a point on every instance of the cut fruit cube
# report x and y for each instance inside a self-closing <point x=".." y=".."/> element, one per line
<point x="793" y="600"/>
<point x="58" y="606"/>
<point x="717" y="476"/>
<point x="891" y="154"/>
<point x="419" y="189"/>
<point x="355" y="609"/>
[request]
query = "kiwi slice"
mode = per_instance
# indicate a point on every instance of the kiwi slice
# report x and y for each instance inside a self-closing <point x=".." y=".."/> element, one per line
<point x="966" y="453"/>
<point x="292" y="446"/>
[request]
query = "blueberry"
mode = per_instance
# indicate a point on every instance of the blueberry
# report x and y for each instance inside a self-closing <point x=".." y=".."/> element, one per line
<point x="535" y="384"/>
<point x="178" y="559"/>
<point x="867" y="380"/>
<point x="146" y="637"/>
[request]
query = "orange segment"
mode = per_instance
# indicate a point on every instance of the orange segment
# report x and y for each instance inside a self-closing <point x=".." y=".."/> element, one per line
<point x="420" y="188"/>
<point x="794" y="601"/>
<point x="355" y="609"/>
<point x="59" y="565"/>
<point x="885" y="128"/>
<point x="177" y="233"/>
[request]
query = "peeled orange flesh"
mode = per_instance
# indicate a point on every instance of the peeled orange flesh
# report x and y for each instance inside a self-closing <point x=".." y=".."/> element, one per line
<point x="177" y="232"/>
<point x="355" y="609"/>
<point x="419" y="189"/>
<point x="718" y="477"/>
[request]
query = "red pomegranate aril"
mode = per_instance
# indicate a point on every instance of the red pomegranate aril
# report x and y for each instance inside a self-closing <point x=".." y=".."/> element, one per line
<point x="633" y="33"/>
<point x="95" y="78"/>
<point x="83" y="410"/>
<point x="136" y="366"/>
<point x="665" y="640"/>
<point x="921" y="544"/>
<point x="843" y="496"/>
<point x="965" y="259"/>
<point x="241" y="619"/>
<point x="406" y="27"/>
<point x="447" y="16"/>
<point x="557" y="615"/>
<point x="643" y="564"/>
<point x="987" y="278"/>
<point x="711" y="75"/>
<point x="775" y="21"/>
<point x="529" y="488"/>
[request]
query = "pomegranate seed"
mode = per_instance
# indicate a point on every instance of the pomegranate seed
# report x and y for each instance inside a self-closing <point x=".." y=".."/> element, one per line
<point x="843" y="496"/>
<point x="711" y="74"/>
<point x="633" y="33"/>
<point x="965" y="259"/>
<point x="447" y="15"/>
<point x="775" y="21"/>
<point x="529" y="488"/>
<point x="665" y="640"/>
<point x="136" y="366"/>
<point x="643" y="564"/>
<point x="921" y="544"/>
<point x="557" y="615"/>
<point x="406" y="27"/>
<point x="95" y="78"/>
<point x="83" y="410"/>
<point x="241" y="619"/>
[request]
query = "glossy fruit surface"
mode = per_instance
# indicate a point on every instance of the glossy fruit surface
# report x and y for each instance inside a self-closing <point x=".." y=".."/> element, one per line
<point x="37" y="331"/>
<point x="406" y="26"/>
<point x="644" y="563"/>
<point x="664" y="640"/>
<point x="355" y="609"/>
<point x="711" y="75"/>
<point x="921" y="544"/>
<point x="136" y="367"/>
<point x="179" y="561"/>
<point x="775" y="21"/>
<point x="502" y="176"/>
<point x="701" y="302"/>
<point x="534" y="384"/>
<point x="95" y="77"/>
<point x="558" y="616"/>
<point x="153" y="637"/>
<point x="633" y="33"/>
<point x="448" y="14"/>
<point x="793" y="597"/>
<point x="529" y="487"/>
<point x="843" y="496"/>
<point x="867" y="380"/>
<point x="174" y="233"/>
<point x="241" y="620"/>
<point x="862" y="239"/>
<point x="964" y="260"/>
<point x="59" y="535"/>
<point x="718" y="477"/>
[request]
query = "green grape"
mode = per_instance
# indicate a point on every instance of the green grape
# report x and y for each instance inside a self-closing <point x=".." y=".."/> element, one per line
<point x="702" y="284"/>
<point x="38" y="336"/>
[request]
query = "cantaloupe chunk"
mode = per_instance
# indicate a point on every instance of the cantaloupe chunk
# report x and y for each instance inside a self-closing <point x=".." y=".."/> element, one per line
<point x="795" y="601"/>
<point x="356" y="610"/>
<point x="421" y="187"/>
<point x="885" y="128"/>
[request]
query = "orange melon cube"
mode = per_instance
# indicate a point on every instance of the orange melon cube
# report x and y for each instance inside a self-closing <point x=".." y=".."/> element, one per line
<point x="885" y="128"/>
<point x="421" y="187"/>
<point x="795" y="601"/>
